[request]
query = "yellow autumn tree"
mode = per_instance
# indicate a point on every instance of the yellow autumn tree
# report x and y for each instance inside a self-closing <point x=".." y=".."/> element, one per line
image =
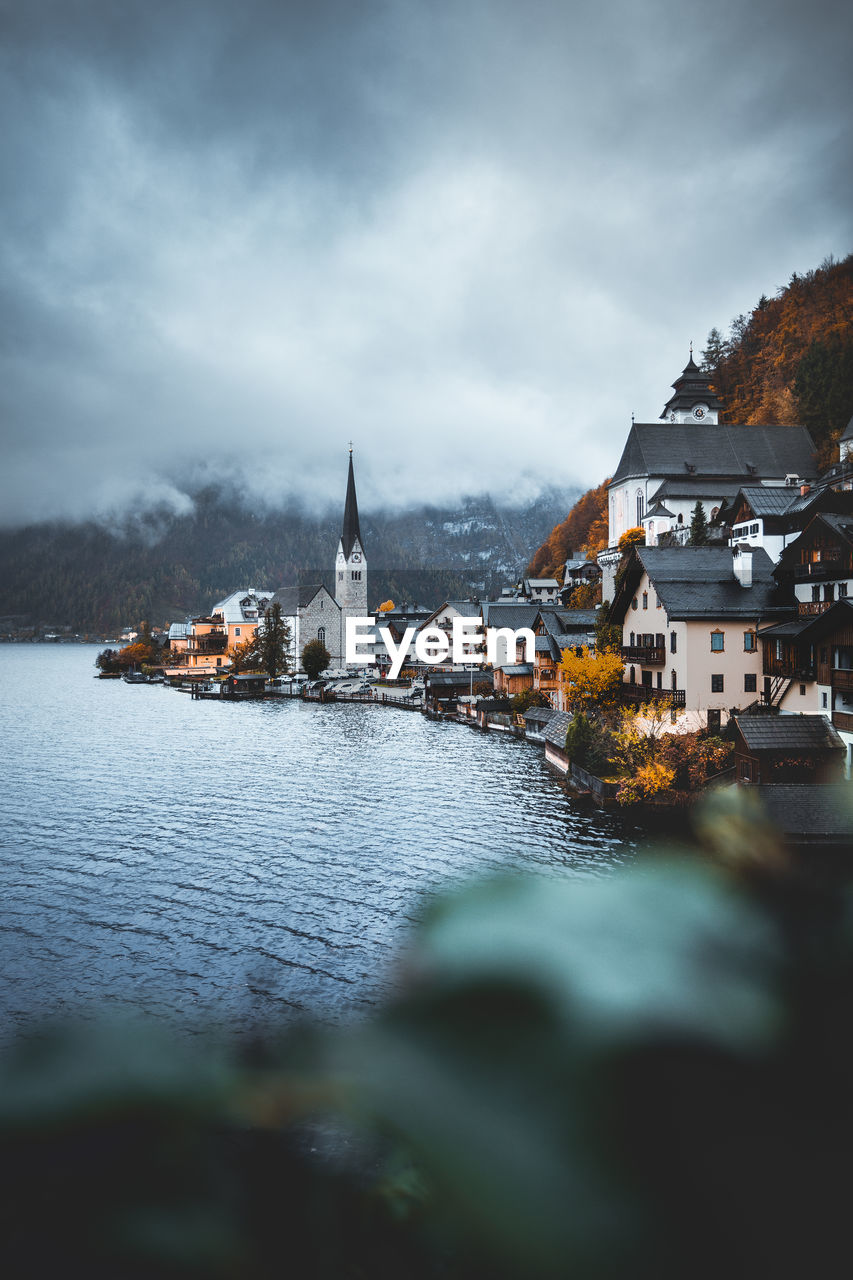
<point x="590" y="680"/>
<point x="386" y="606"/>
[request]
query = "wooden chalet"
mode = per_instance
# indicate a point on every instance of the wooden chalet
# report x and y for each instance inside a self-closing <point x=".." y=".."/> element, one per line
<point x="797" y="749"/>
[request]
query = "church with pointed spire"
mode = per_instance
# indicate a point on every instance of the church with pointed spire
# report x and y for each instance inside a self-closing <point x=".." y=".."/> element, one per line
<point x="351" y="562"/>
<point x="311" y="611"/>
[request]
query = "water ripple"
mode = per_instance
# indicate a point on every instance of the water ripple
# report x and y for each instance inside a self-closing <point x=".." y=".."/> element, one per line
<point x="230" y="863"/>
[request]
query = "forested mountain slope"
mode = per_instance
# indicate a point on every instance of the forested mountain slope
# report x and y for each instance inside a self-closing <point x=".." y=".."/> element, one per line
<point x="163" y="567"/>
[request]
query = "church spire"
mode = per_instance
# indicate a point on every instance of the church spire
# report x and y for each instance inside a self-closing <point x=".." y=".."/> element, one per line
<point x="351" y="531"/>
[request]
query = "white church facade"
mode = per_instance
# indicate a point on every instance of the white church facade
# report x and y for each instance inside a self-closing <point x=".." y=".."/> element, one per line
<point x="690" y="456"/>
<point x="311" y="611"/>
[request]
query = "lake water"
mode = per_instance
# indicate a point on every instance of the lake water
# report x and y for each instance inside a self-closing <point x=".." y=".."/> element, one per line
<point x="226" y="864"/>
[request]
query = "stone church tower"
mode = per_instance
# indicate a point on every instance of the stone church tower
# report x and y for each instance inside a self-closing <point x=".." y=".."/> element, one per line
<point x="350" y="562"/>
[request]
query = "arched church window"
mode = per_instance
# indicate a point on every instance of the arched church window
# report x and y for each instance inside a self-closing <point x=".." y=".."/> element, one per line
<point x="640" y="507"/>
<point x="321" y="634"/>
<point x="681" y="517"/>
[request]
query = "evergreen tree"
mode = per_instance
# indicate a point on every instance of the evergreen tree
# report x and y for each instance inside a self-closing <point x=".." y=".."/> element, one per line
<point x="315" y="658"/>
<point x="273" y="641"/>
<point x="698" y="527"/>
<point x="715" y="349"/>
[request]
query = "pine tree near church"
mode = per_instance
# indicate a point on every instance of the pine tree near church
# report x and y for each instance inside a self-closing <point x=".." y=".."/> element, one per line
<point x="698" y="527"/>
<point x="273" y="639"/>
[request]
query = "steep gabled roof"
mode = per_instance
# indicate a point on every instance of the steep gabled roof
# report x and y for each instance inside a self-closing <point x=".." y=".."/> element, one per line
<point x="699" y="582"/>
<point x="717" y="450"/>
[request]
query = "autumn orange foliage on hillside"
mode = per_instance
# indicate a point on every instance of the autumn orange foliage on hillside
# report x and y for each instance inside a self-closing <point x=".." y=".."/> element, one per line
<point x="791" y="359"/>
<point x="585" y="527"/>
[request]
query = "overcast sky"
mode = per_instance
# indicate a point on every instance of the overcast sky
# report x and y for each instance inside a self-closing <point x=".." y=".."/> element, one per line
<point x="473" y="236"/>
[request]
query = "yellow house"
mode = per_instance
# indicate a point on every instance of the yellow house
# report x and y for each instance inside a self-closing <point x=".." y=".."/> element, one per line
<point x="199" y="647"/>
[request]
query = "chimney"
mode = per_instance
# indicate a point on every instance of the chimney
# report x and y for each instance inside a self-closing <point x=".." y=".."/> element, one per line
<point x="804" y="488"/>
<point x="742" y="564"/>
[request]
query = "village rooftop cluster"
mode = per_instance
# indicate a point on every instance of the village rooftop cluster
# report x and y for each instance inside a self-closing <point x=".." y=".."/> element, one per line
<point x="728" y="572"/>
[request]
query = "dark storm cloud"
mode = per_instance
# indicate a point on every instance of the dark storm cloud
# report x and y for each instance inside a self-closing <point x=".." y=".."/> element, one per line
<point x="473" y="237"/>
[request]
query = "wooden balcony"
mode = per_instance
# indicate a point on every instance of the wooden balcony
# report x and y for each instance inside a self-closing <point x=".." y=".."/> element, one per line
<point x="820" y="571"/>
<point x="211" y="642"/>
<point x="637" y="693"/>
<point x="644" y="655"/>
<point x="813" y="608"/>
<point x="842" y="679"/>
<point x="843" y="720"/>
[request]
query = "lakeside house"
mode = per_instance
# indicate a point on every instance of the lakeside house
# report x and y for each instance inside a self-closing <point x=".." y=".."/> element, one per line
<point x="776" y="749"/>
<point x="199" y="647"/>
<point x="690" y="618"/>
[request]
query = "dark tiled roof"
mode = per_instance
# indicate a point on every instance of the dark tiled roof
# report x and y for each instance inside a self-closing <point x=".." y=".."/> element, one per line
<point x="512" y="615"/>
<point x="695" y="489"/>
<point x="658" y="509"/>
<point x="716" y="450"/>
<point x="788" y="733"/>
<point x="557" y="728"/>
<point x="768" y="500"/>
<point x="815" y="813"/>
<point x="699" y="582"/>
<point x="519" y="669"/>
<point x="539" y="715"/>
<point x="292" y="599"/>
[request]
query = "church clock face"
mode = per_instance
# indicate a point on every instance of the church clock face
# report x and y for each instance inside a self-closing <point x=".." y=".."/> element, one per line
<point x="356" y="558"/>
<point x="699" y="412"/>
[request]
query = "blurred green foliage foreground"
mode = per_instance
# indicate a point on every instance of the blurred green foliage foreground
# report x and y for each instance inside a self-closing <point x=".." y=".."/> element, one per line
<point x="647" y="1074"/>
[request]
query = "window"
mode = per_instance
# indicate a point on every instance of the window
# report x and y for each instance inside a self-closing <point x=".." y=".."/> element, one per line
<point x="802" y="690"/>
<point x="355" y="574"/>
<point x="716" y="684"/>
<point x="631" y="641"/>
<point x="673" y="642"/>
<point x="640" y="507"/>
<point x="219" y="662"/>
<point x="660" y="679"/>
<point x="340" y="575"/>
<point x="645" y="599"/>
<point x="746" y="770"/>
<point x="842" y="590"/>
<point x="635" y="603"/>
<point x="750" y="642"/>
<point x="718" y="641"/>
<point x="750" y="682"/>
<point x="321" y="634"/>
<point x="823" y="700"/>
<point x="647" y="679"/>
<point x="713" y="722"/>
<point x="236" y="631"/>
<point x="777" y="650"/>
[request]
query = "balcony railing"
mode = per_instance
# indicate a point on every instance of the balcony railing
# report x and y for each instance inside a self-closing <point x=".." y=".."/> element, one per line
<point x="644" y="655"/>
<point x="843" y="720"/>
<point x="820" y="571"/>
<point x="842" y="679"/>
<point x="812" y="608"/>
<point x="211" y="642"/>
<point x="643" y="693"/>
